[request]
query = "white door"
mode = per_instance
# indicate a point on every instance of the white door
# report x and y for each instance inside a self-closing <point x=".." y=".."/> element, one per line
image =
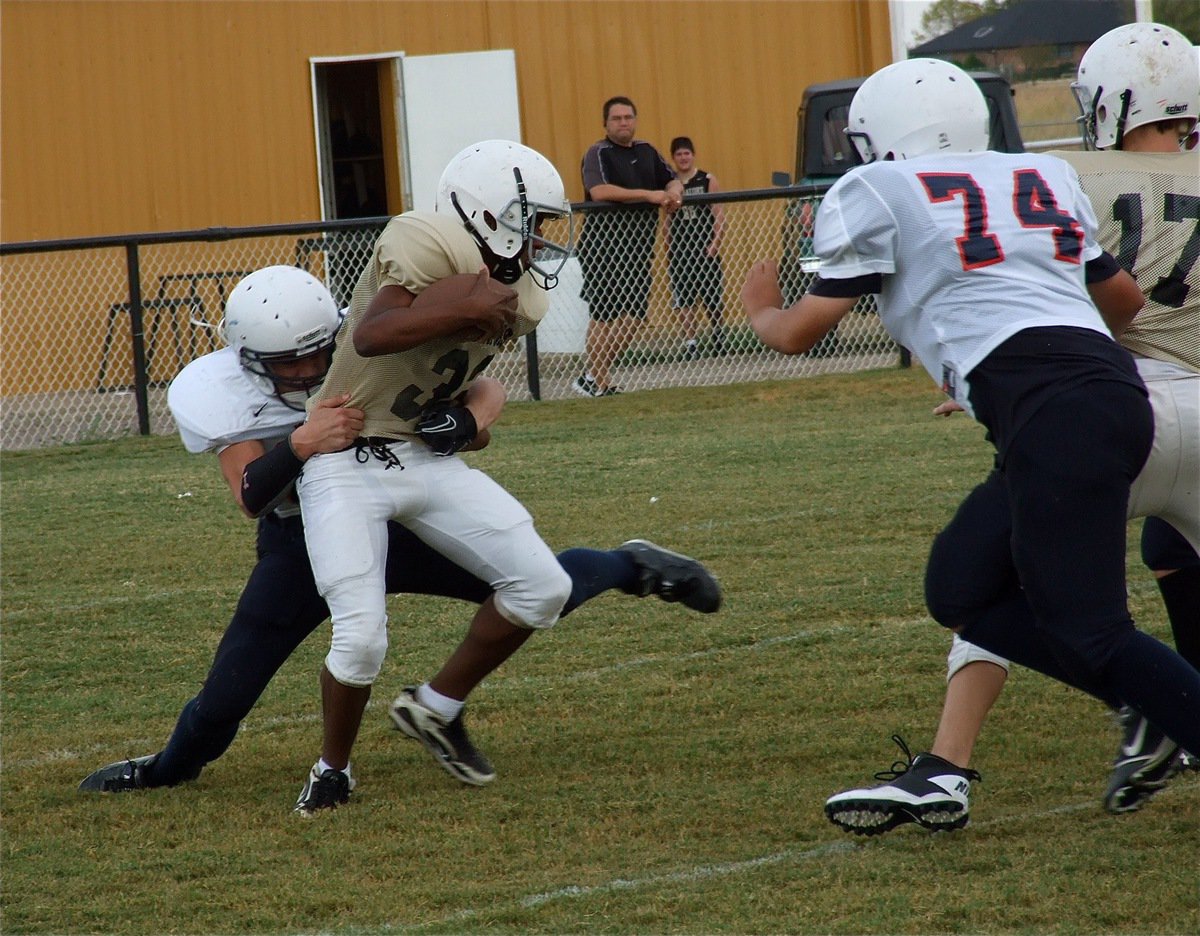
<point x="447" y="103"/>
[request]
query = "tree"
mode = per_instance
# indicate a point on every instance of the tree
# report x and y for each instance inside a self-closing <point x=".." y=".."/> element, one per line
<point x="1183" y="15"/>
<point x="944" y="15"/>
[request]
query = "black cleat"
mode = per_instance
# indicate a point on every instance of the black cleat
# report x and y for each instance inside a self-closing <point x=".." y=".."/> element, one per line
<point x="327" y="790"/>
<point x="1144" y="763"/>
<point x="119" y="777"/>
<point x="925" y="789"/>
<point x="672" y="577"/>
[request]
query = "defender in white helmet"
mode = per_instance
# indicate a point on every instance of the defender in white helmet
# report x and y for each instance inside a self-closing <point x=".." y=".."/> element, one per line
<point x="240" y="403"/>
<point x="986" y="266"/>
<point x="281" y="314"/>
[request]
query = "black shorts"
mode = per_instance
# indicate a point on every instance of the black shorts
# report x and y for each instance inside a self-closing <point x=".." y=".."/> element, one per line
<point x="695" y="276"/>
<point x="614" y="255"/>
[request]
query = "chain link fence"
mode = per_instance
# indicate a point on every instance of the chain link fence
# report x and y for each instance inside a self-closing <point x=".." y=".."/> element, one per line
<point x="94" y="330"/>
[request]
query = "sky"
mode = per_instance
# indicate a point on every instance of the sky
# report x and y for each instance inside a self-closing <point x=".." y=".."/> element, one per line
<point x="906" y="20"/>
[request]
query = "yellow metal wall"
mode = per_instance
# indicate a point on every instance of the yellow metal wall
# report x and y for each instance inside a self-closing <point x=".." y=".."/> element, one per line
<point x="161" y="115"/>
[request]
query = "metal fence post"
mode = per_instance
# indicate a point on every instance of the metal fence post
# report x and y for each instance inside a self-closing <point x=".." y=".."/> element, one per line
<point x="531" y="365"/>
<point x="141" y="379"/>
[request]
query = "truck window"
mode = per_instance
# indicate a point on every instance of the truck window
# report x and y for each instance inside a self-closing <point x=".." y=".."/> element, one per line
<point x="837" y="149"/>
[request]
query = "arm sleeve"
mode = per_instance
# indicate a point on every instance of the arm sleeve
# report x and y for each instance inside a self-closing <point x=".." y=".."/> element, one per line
<point x="593" y="171"/>
<point x="1100" y="268"/>
<point x="855" y="231"/>
<point x="415" y="251"/>
<point x="871" y="283"/>
<point x="268" y="477"/>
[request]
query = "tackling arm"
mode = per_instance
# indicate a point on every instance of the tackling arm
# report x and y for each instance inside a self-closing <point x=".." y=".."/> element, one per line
<point x="258" y="478"/>
<point x="1118" y="298"/>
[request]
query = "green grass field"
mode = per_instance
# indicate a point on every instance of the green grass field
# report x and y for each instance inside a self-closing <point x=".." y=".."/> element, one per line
<point x="659" y="771"/>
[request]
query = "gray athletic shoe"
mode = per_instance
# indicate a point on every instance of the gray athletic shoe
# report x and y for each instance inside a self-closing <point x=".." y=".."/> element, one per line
<point x="1143" y="765"/>
<point x="446" y="741"/>
<point x="672" y="576"/>
<point x="119" y="777"/>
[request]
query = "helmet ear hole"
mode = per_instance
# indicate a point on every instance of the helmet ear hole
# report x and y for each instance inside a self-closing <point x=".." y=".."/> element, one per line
<point x="490" y="220"/>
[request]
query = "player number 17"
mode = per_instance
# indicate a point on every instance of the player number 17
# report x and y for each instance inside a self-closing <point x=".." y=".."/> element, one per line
<point x="1172" y="289"/>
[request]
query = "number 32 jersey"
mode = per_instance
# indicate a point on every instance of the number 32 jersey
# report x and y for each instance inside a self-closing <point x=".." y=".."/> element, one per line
<point x="416" y="249"/>
<point x="972" y="248"/>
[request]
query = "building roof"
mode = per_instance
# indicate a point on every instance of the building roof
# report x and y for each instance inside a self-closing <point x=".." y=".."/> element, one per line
<point x="1032" y="23"/>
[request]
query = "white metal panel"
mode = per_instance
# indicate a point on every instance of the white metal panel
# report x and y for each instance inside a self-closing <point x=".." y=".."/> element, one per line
<point x="450" y="102"/>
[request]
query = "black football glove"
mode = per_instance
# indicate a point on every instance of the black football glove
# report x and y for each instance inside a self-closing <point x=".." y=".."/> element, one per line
<point x="446" y="427"/>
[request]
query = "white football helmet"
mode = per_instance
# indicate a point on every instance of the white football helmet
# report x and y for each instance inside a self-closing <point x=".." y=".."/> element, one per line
<point x="278" y="314"/>
<point x="503" y="191"/>
<point x="916" y="107"/>
<point x="1134" y="75"/>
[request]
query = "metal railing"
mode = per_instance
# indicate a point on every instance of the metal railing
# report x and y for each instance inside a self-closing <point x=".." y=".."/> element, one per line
<point x="96" y="328"/>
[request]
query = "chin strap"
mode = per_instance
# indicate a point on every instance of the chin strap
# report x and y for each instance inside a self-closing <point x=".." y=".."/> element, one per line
<point x="1126" y="98"/>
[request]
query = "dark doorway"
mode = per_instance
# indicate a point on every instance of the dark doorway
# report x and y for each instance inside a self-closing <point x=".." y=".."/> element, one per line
<point x="357" y="175"/>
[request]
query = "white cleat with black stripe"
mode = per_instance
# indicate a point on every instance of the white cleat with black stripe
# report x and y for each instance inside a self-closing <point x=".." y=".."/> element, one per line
<point x="925" y="789"/>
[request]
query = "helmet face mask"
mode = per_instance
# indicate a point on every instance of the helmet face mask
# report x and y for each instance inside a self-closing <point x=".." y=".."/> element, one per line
<point x="279" y="316"/>
<point x="293" y="389"/>
<point x="503" y="192"/>
<point x="943" y="110"/>
<point x="1134" y="75"/>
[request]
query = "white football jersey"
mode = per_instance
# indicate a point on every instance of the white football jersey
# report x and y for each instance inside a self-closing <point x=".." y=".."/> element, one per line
<point x="215" y="405"/>
<point x="973" y="248"/>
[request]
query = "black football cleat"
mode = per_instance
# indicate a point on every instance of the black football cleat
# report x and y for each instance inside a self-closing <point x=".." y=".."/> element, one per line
<point x="1144" y="763"/>
<point x="925" y="789"/>
<point x="672" y="576"/>
<point x="119" y="777"/>
<point x="323" y="791"/>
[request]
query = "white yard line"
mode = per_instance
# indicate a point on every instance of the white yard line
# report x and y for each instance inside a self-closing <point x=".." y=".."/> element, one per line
<point x="500" y="682"/>
<point x="820" y="853"/>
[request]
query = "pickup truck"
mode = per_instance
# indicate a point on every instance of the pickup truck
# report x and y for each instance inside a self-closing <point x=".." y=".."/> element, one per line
<point x="824" y="152"/>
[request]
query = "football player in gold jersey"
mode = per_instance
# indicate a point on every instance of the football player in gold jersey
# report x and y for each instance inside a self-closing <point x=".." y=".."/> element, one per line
<point x="408" y="361"/>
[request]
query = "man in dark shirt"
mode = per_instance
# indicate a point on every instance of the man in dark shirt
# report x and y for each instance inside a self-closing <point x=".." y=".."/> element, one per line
<point x="616" y="245"/>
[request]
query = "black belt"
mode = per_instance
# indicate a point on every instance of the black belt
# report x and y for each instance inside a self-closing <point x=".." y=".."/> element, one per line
<point x="369" y="441"/>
